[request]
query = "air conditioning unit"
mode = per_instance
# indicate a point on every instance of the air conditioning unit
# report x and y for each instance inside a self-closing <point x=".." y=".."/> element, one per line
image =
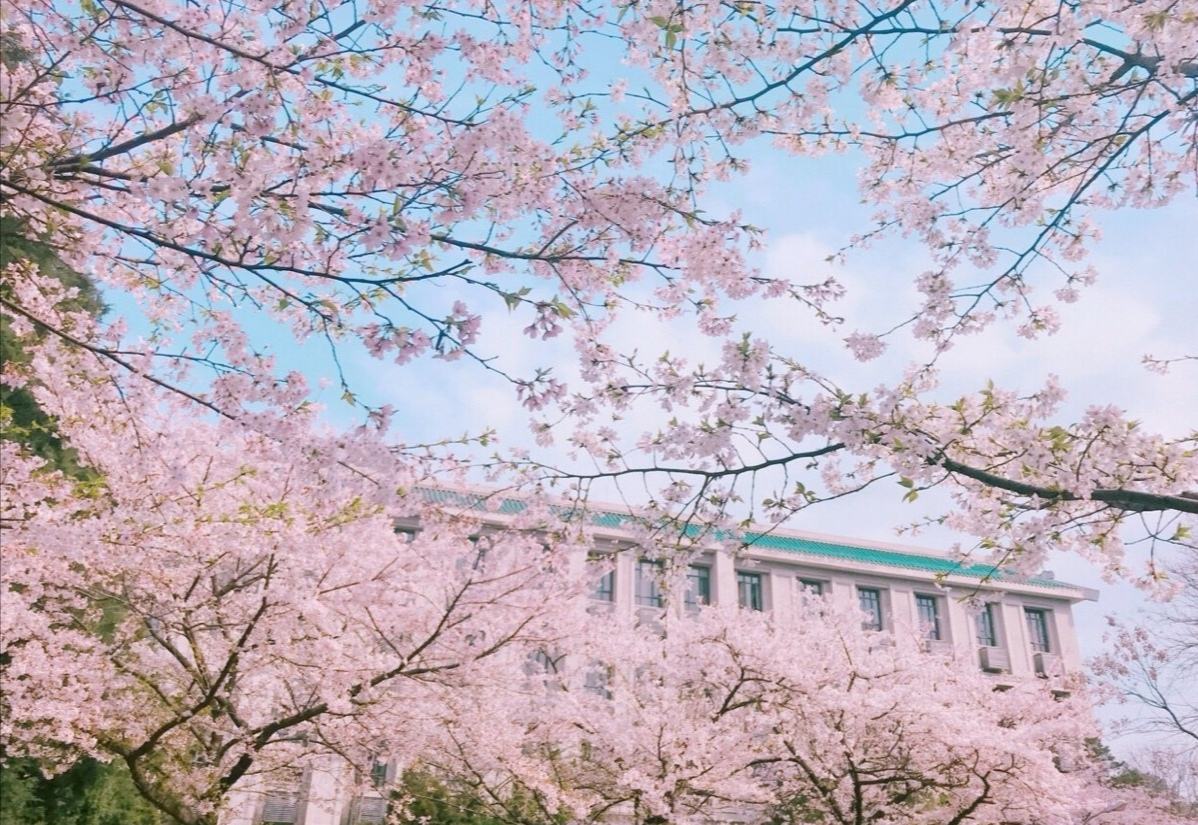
<point x="937" y="647"/>
<point x="994" y="659"/>
<point x="650" y="619"/>
<point x="600" y="607"/>
<point x="881" y="641"/>
<point x="371" y="810"/>
<point x="1047" y="664"/>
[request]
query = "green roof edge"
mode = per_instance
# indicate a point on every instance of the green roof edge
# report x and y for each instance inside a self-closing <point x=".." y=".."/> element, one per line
<point x="772" y="541"/>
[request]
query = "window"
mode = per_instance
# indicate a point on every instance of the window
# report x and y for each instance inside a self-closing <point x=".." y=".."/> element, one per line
<point x="481" y="546"/>
<point x="698" y="585"/>
<point x="1037" y="629"/>
<point x="372" y="810"/>
<point x="927" y="608"/>
<point x="987" y="630"/>
<point x="648" y="583"/>
<point x="378" y="773"/>
<point x="541" y="662"/>
<point x="870" y="599"/>
<point x="280" y="807"/>
<point x="605" y="587"/>
<point x="542" y="668"/>
<point x="748" y="590"/>
<point x="280" y="803"/>
<point x="597" y="680"/>
<point x="811" y="587"/>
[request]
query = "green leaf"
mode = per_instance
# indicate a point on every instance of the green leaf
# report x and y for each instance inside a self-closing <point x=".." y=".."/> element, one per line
<point x="513" y="299"/>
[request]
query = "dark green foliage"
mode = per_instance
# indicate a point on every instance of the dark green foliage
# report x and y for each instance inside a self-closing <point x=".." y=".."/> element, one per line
<point x="20" y="418"/>
<point x="798" y="810"/>
<point x="436" y="802"/>
<point x="442" y="805"/>
<point x="89" y="793"/>
<point x="1120" y="774"/>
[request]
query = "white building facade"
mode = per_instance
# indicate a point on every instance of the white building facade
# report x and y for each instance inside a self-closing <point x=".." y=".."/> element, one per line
<point x="1012" y="628"/>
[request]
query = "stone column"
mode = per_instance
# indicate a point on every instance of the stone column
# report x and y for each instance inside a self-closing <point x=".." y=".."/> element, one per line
<point x="1014" y="638"/>
<point x="1071" y="658"/>
<point x="626" y="560"/>
<point x="959" y="622"/>
<point x="902" y="616"/>
<point x="781" y="592"/>
<point x="723" y="579"/>
<point x="325" y="797"/>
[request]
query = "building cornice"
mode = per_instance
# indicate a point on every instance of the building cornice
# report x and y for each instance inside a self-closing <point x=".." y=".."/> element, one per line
<point x="815" y="550"/>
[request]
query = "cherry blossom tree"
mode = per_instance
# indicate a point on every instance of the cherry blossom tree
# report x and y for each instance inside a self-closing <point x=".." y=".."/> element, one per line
<point x="223" y="592"/>
<point x="1154" y="671"/>
<point x="209" y="605"/>
<point x="1114" y="797"/>
<point x="1149" y="668"/>
<point x="391" y="173"/>
<point x="212" y="605"/>
<point x="732" y="716"/>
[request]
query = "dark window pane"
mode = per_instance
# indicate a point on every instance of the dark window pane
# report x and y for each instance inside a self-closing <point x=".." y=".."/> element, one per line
<point x="597" y="680"/>
<point x="928" y="610"/>
<point x="748" y="587"/>
<point x="987" y="631"/>
<point x="812" y="587"/>
<point x="1037" y="629"/>
<point x="870" y="600"/>
<point x="698" y="585"/>
<point x="648" y="583"/>
<point x="605" y="585"/>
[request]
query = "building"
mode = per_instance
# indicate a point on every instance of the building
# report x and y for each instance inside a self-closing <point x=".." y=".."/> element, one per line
<point x="1017" y="628"/>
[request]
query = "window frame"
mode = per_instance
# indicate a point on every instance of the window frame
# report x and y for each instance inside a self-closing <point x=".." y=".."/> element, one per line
<point x="604" y="588"/>
<point x="283" y="794"/>
<point x="1039" y="633"/>
<point x="700" y="594"/>
<point x="647" y="590"/>
<point x="810" y="587"/>
<point x="754" y="580"/>
<point x="880" y="616"/>
<point x="380" y="772"/>
<point x="597" y="680"/>
<point x="934" y="633"/>
<point x="985" y="620"/>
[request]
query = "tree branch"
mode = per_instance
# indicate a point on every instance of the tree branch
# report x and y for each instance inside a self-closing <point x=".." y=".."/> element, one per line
<point x="1134" y="500"/>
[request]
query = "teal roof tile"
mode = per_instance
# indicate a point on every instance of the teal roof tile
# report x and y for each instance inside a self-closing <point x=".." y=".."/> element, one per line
<point x="798" y="545"/>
